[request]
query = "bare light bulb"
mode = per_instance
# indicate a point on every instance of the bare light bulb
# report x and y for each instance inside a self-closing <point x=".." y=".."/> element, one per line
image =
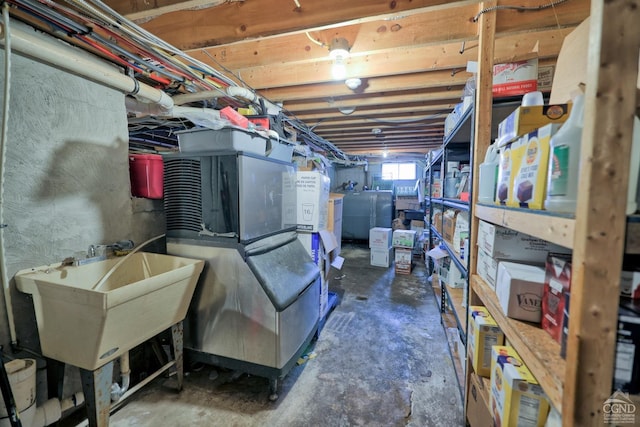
<point x="338" y="69"/>
<point x="384" y="154"/>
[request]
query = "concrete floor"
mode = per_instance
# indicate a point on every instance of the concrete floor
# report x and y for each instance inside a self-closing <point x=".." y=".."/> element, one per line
<point x="380" y="360"/>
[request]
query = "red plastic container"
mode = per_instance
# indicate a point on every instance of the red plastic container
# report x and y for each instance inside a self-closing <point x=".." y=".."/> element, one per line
<point x="146" y="173"/>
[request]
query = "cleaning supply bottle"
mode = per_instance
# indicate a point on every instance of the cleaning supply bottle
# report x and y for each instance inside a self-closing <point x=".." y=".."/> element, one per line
<point x="564" y="161"/>
<point x="488" y="176"/>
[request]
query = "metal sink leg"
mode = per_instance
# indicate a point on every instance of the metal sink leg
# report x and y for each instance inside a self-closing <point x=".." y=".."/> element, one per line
<point x="96" y="386"/>
<point x="177" y="334"/>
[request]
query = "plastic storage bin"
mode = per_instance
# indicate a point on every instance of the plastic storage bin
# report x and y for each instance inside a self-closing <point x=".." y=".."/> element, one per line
<point x="146" y="173"/>
<point x="225" y="139"/>
<point x="280" y="150"/>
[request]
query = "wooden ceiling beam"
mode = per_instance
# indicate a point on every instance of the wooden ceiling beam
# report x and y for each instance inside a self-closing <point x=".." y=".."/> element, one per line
<point x="333" y="111"/>
<point x="404" y="61"/>
<point x="452" y="25"/>
<point x="367" y="135"/>
<point x="369" y="124"/>
<point x="234" y="21"/>
<point x="424" y="80"/>
<point x="376" y="99"/>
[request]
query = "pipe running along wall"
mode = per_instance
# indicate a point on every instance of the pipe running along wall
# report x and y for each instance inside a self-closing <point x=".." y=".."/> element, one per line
<point x="55" y="53"/>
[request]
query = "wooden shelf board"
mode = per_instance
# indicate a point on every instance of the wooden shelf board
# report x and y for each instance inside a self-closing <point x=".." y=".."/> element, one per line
<point x="538" y="350"/>
<point x="542" y="224"/>
<point x="456" y="296"/>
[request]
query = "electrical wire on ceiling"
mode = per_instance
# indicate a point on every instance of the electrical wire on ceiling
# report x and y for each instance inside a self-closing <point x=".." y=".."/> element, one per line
<point x="100" y="30"/>
<point x="519" y="8"/>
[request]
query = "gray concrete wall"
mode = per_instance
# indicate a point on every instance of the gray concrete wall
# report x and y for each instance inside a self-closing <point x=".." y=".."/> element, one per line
<point x="66" y="182"/>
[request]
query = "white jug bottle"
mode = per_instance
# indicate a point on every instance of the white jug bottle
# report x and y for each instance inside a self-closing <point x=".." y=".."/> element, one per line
<point x="564" y="161"/>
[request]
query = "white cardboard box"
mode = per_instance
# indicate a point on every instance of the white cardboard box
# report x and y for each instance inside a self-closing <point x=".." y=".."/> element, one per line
<point x="381" y="257"/>
<point x="404" y="238"/>
<point x="312" y="191"/>
<point x="380" y="237"/>
<point x="519" y="288"/>
<point x="403" y="256"/>
<point x="450" y="274"/>
<point x="487" y="268"/>
<point x="503" y="243"/>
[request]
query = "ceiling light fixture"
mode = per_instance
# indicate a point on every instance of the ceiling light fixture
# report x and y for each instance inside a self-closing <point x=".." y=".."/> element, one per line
<point x="347" y="110"/>
<point x="353" y="83"/>
<point x="339" y="52"/>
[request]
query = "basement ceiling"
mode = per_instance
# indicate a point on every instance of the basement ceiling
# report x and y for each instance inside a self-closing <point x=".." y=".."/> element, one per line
<point x="410" y="56"/>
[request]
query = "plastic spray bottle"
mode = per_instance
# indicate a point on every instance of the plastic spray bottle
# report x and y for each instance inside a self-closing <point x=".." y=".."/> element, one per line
<point x="564" y="161"/>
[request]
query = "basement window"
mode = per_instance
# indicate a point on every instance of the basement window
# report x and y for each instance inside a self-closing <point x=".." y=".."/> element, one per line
<point x="398" y="171"/>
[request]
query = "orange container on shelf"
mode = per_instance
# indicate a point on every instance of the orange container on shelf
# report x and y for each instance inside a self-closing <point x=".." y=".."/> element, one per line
<point x="146" y="173"/>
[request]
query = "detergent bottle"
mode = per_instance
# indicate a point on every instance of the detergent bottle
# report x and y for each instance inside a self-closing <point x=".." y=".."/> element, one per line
<point x="564" y="161"/>
<point x="488" y="176"/>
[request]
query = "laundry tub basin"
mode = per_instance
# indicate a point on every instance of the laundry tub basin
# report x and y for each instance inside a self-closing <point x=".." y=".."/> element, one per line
<point x="85" y="327"/>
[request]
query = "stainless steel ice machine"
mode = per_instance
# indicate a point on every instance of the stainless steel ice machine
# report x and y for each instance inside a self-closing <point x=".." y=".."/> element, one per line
<point x="256" y="306"/>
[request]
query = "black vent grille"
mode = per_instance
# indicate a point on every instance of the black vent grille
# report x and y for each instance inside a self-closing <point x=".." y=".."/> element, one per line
<point x="183" y="194"/>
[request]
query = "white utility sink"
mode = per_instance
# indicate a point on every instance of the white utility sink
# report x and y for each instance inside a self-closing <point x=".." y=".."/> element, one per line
<point x="85" y="327"/>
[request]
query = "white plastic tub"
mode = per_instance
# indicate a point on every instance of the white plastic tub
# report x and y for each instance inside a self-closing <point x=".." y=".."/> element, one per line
<point x="86" y="327"/>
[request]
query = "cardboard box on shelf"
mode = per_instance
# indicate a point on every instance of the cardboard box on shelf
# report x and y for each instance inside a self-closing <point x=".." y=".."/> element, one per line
<point x="312" y="200"/>
<point x="504" y="243"/>
<point x="519" y="290"/>
<point x="437" y="220"/>
<point x="557" y="283"/>
<point x="476" y="403"/>
<point x="515" y="78"/>
<point x="404" y="238"/>
<point x="380" y="237"/>
<point x="449" y="224"/>
<point x="450" y="274"/>
<point x="530" y="175"/>
<point x="487" y="268"/>
<point x="483" y="334"/>
<point x="516" y="398"/>
<point x="525" y="120"/>
<point x="436" y="188"/>
<point x="461" y="232"/>
<point x="381" y="257"/>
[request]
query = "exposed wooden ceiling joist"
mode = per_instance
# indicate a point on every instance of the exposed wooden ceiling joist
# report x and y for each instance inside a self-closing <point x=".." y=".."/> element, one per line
<point x="411" y="56"/>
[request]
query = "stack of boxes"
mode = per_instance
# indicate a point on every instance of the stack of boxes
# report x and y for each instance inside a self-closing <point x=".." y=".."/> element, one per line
<point x="497" y="244"/>
<point x="483" y="333"/>
<point x="380" y="246"/>
<point x="312" y="192"/>
<point x="403" y="243"/>
<point x="516" y="397"/>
